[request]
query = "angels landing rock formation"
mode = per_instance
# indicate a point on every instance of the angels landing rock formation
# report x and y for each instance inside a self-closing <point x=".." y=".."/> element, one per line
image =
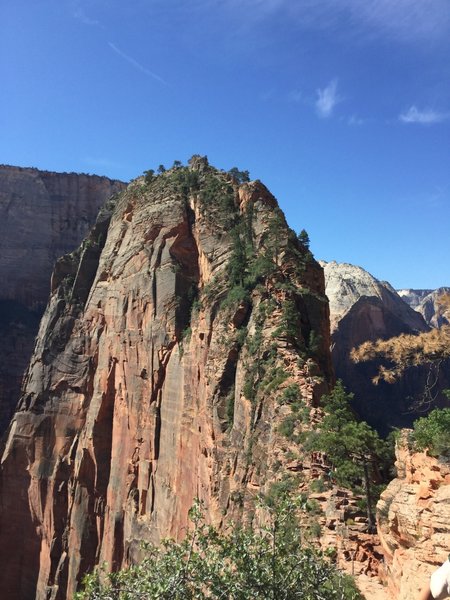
<point x="158" y="376"/>
<point x="43" y="215"/>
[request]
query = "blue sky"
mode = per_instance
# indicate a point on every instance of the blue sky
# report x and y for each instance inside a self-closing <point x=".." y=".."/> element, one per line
<point x="341" y="107"/>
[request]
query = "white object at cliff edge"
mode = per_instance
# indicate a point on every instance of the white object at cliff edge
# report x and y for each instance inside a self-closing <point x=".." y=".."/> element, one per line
<point x="440" y="581"/>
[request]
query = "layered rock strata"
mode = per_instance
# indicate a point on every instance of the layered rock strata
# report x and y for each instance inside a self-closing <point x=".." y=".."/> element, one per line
<point x="413" y="517"/>
<point x="365" y="309"/>
<point x="43" y="215"/>
<point x="159" y="375"/>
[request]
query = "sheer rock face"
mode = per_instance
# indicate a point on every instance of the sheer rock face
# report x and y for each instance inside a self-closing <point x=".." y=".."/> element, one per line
<point x="133" y="403"/>
<point x="43" y="215"/>
<point x="363" y="308"/>
<point x="426" y="302"/>
<point x="413" y="517"/>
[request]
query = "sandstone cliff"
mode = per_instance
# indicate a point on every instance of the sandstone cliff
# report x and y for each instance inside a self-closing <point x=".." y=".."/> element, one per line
<point x="426" y="302"/>
<point x="175" y="342"/>
<point x="43" y="215"/>
<point x="413" y="297"/>
<point x="413" y="516"/>
<point x="363" y="308"/>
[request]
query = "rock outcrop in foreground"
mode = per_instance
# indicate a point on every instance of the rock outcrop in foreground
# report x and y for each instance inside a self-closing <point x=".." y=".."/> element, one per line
<point x="43" y="215"/>
<point x="365" y="309"/>
<point x="160" y="375"/>
<point x="413" y="516"/>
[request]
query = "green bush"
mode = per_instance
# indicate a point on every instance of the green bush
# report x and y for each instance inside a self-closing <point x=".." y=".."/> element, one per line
<point x="317" y="485"/>
<point x="271" y="564"/>
<point x="291" y="394"/>
<point x="287" y="426"/>
<point x="315" y="530"/>
<point x="433" y="432"/>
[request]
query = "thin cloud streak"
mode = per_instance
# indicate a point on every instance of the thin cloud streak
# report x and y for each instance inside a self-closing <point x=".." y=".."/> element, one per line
<point x="327" y="98"/>
<point x="136" y="64"/>
<point x="423" y="117"/>
<point x="405" y="20"/>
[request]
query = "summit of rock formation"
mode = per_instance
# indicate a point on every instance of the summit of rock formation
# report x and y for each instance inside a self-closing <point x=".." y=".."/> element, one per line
<point x="43" y="215"/>
<point x="363" y="308"/>
<point x="173" y="343"/>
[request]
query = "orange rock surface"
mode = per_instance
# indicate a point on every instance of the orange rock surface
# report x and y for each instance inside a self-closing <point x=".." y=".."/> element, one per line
<point x="133" y="403"/>
<point x="414" y="521"/>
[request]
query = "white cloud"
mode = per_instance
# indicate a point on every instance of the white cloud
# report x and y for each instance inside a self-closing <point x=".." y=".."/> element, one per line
<point x="424" y="117"/>
<point x="136" y="64"/>
<point x="327" y="98"/>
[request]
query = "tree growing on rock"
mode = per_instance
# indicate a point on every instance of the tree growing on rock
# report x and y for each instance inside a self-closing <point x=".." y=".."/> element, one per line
<point x="359" y="457"/>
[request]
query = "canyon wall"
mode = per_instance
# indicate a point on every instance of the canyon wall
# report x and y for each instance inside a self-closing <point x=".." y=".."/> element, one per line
<point x="413" y="517"/>
<point x="167" y="359"/>
<point x="43" y="215"/>
<point x="426" y="302"/>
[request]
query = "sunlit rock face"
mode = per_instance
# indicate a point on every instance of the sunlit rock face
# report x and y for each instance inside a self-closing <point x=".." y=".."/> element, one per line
<point x="43" y="215"/>
<point x="152" y="379"/>
<point x="413" y="516"/>
<point x="363" y="308"/>
<point x="428" y="304"/>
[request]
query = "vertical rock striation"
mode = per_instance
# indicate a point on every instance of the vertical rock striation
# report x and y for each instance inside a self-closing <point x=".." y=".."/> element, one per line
<point x="158" y="377"/>
<point x="43" y="215"/>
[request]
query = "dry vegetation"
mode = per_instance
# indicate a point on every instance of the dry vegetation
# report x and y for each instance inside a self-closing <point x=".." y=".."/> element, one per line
<point x="404" y="351"/>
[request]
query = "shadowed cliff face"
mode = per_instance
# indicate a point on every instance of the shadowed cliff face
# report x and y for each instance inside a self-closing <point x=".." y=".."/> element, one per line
<point x="43" y="215"/>
<point x="152" y="380"/>
<point x="361" y="309"/>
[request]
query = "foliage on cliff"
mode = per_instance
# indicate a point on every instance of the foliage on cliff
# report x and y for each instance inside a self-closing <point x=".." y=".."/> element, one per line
<point x="360" y="459"/>
<point x="433" y="432"/>
<point x="271" y="565"/>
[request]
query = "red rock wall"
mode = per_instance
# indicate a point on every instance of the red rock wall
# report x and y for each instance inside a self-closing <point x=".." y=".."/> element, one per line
<point x="413" y="516"/>
<point x="43" y="215"/>
<point x="123" y="418"/>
